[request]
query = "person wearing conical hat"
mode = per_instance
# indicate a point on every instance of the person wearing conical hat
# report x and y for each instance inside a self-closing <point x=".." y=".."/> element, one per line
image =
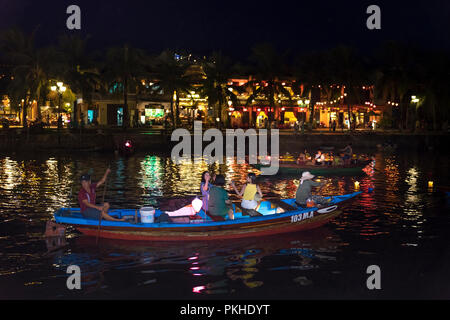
<point x="304" y="190"/>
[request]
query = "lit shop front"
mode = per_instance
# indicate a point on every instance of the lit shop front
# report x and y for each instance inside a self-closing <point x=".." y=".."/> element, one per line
<point x="361" y="116"/>
<point x="152" y="113"/>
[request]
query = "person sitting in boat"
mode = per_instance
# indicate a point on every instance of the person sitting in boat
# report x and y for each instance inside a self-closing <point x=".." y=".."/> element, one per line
<point x="86" y="199"/>
<point x="219" y="204"/>
<point x="319" y="159"/>
<point x="301" y="158"/>
<point x="328" y="159"/>
<point x="249" y="193"/>
<point x="308" y="156"/>
<point x="348" y="152"/>
<point x="303" y="193"/>
<point x="337" y="161"/>
<point x="204" y="188"/>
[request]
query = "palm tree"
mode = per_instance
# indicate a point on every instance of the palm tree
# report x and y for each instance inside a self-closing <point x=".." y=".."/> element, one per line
<point x="78" y="69"/>
<point x="29" y="67"/>
<point x="435" y="88"/>
<point x="215" y="87"/>
<point x="347" y="68"/>
<point x="171" y="81"/>
<point x="395" y="79"/>
<point x="125" y="66"/>
<point x="312" y="78"/>
<point x="267" y="68"/>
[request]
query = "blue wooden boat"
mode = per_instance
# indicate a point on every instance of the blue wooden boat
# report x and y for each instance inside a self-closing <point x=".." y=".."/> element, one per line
<point x="267" y="222"/>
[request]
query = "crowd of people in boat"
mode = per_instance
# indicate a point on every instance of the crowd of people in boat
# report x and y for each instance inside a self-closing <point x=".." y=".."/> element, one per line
<point x="216" y="201"/>
<point x="344" y="157"/>
<point x="215" y="198"/>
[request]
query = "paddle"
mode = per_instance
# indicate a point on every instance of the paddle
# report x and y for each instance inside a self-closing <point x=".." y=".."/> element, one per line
<point x="103" y="201"/>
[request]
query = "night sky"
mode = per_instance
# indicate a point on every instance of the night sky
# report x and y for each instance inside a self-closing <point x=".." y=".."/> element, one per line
<point x="235" y="26"/>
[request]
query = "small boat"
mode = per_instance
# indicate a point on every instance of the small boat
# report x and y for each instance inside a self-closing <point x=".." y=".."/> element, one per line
<point x="323" y="170"/>
<point x="266" y="221"/>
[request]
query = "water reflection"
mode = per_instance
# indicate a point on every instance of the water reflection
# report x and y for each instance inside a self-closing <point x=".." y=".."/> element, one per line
<point x="213" y="267"/>
<point x="396" y="214"/>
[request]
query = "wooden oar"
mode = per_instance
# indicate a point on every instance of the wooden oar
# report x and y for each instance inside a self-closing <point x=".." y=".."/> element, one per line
<point x="101" y="213"/>
<point x="70" y="201"/>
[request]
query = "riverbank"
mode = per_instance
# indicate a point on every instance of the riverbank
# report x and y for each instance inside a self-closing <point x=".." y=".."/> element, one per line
<point x="156" y="140"/>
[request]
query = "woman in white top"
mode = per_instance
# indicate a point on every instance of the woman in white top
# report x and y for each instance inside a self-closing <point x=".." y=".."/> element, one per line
<point x="320" y="158"/>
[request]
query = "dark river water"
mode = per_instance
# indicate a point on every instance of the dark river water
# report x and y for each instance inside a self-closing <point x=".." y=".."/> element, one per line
<point x="403" y="227"/>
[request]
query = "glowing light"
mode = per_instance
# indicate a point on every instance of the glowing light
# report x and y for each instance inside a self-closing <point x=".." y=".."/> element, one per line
<point x="430" y="184"/>
<point x="356" y="185"/>
<point x="198" y="289"/>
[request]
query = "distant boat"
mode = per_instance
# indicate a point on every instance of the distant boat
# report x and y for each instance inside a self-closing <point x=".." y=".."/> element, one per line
<point x="265" y="221"/>
<point x="323" y="170"/>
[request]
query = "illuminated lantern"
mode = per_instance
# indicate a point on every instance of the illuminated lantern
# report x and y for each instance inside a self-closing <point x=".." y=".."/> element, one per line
<point x="356" y="185"/>
<point x="197" y="204"/>
<point x="430" y="184"/>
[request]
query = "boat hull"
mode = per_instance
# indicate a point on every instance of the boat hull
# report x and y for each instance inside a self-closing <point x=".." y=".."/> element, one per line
<point x="241" y="227"/>
<point x="315" y="170"/>
<point x="272" y="228"/>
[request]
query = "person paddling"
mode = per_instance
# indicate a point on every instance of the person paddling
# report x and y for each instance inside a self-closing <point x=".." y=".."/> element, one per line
<point x="86" y="199"/>
<point x="303" y="193"/>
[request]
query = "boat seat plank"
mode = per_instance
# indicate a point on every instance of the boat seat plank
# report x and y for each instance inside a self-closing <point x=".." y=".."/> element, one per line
<point x="248" y="212"/>
<point x="215" y="218"/>
<point x="281" y="204"/>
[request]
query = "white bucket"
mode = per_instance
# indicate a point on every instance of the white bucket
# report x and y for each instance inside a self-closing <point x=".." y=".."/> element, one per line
<point x="147" y="215"/>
